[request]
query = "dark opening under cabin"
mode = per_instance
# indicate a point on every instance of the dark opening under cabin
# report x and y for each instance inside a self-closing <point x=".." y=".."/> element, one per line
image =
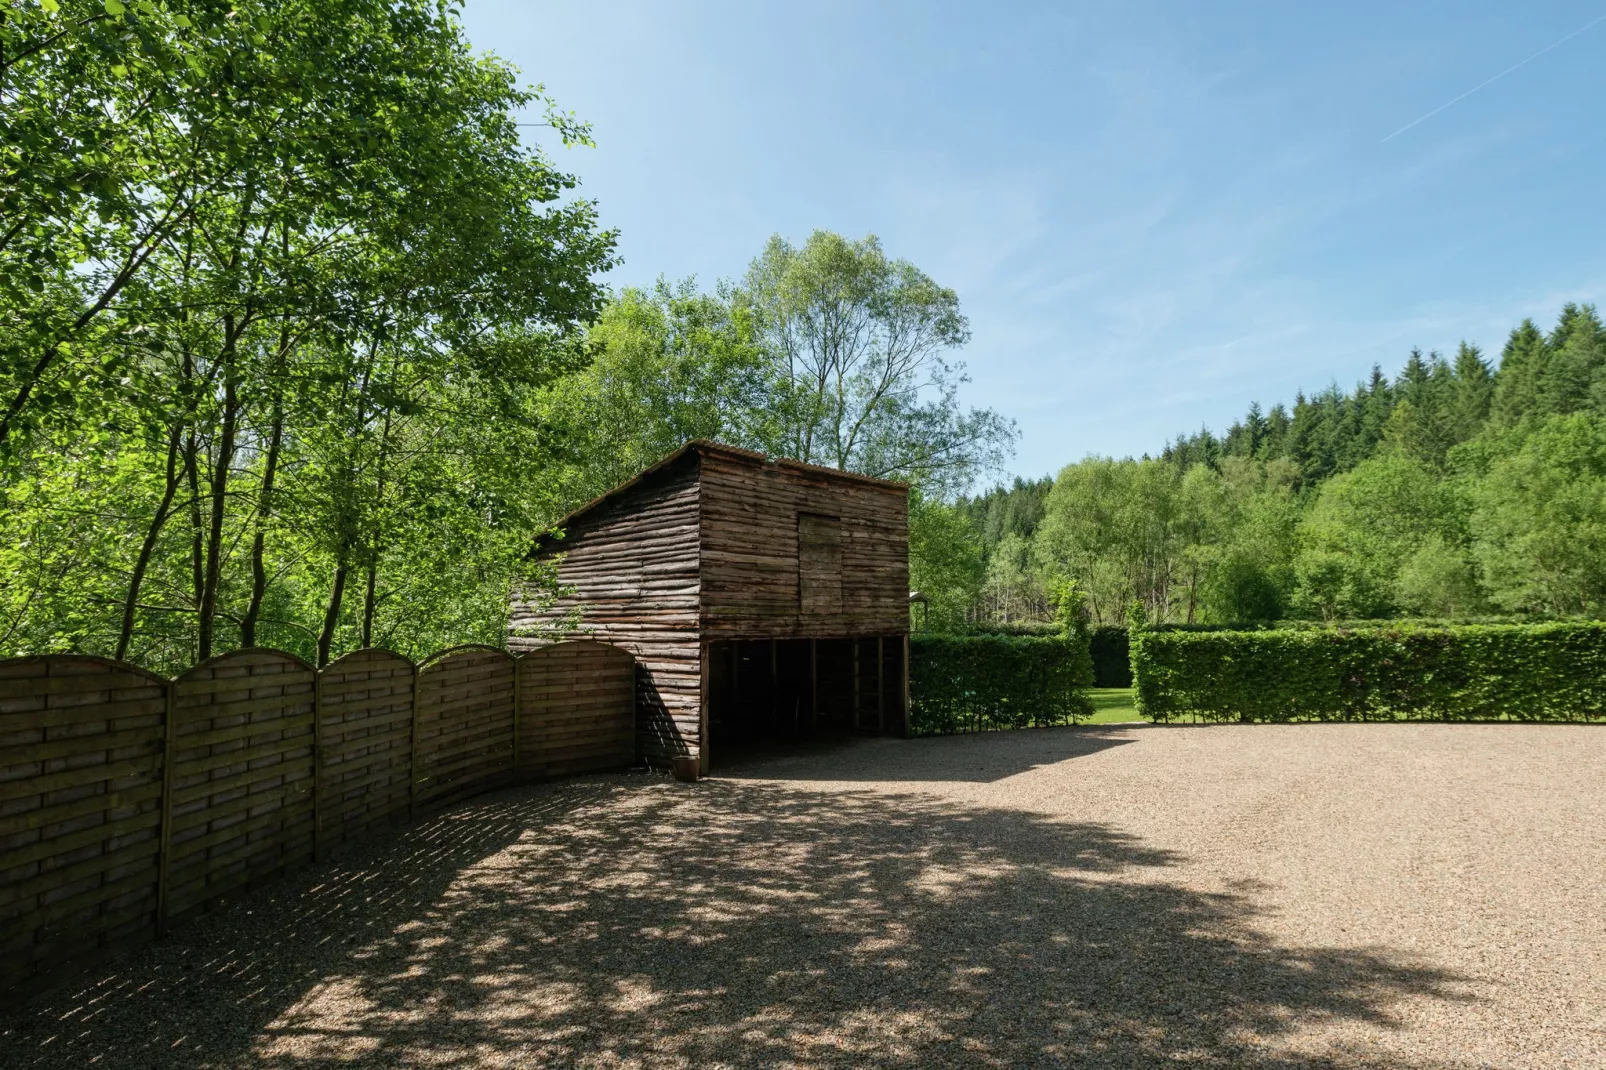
<point x="763" y="599"/>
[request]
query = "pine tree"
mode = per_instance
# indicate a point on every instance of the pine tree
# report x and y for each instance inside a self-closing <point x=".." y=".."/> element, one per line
<point x="1576" y="353"/>
<point x="1516" y="383"/>
<point x="1474" y="392"/>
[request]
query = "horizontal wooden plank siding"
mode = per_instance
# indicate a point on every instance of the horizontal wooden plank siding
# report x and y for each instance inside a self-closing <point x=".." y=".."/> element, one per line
<point x="465" y="723"/>
<point x="81" y="743"/>
<point x="241" y="805"/>
<point x="577" y="709"/>
<point x="630" y="566"/>
<point x="365" y="716"/>
<point x="752" y="514"/>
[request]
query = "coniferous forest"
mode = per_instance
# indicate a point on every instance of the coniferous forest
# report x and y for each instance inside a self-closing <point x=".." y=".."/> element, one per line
<point x="1459" y="488"/>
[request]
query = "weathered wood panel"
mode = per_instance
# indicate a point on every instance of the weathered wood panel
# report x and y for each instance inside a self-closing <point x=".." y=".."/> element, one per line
<point x="365" y="723"/>
<point x="819" y="565"/>
<point x="81" y="744"/>
<point x="631" y="563"/>
<point x="241" y="791"/>
<point x="577" y="707"/>
<point x="465" y="723"/>
<point x="753" y="514"/>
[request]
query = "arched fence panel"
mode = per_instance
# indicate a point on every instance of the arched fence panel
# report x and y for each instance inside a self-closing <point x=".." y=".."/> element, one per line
<point x="577" y="709"/>
<point x="128" y="801"/>
<point x="241" y="794"/>
<point x="81" y="742"/>
<point x="365" y="745"/>
<point x="464" y="733"/>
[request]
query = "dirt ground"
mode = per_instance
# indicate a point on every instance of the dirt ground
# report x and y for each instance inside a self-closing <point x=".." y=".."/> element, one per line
<point x="1234" y="896"/>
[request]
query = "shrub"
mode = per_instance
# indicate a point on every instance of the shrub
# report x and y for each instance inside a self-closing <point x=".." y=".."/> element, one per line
<point x="1533" y="672"/>
<point x="1112" y="657"/>
<point x="974" y="683"/>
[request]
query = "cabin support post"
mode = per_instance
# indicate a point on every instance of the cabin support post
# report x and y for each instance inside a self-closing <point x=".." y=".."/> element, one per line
<point x="705" y="660"/>
<point x="880" y="685"/>
<point x="855" y="685"/>
<point x="775" y="689"/>
<point x="814" y="686"/>
<point x="905" y="689"/>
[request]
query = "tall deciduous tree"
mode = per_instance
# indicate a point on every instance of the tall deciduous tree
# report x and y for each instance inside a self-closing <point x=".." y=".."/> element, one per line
<point x="860" y="344"/>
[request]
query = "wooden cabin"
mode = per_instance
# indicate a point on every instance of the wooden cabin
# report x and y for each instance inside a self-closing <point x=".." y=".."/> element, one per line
<point x="763" y="599"/>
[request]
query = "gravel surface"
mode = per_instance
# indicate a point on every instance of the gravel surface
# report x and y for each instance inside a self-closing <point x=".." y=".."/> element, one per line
<point x="1233" y="896"/>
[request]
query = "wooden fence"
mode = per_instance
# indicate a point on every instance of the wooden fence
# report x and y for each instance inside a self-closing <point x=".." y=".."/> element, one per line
<point x="128" y="801"/>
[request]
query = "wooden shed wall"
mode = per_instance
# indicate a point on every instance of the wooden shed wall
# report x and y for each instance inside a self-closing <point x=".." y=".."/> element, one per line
<point x="750" y="552"/>
<point x="631" y="564"/>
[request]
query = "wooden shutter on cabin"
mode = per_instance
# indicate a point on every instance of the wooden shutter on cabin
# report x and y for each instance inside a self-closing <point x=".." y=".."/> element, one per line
<point x="819" y="564"/>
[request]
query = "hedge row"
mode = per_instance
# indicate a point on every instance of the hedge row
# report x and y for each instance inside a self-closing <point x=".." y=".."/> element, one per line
<point x="978" y="683"/>
<point x="1538" y="672"/>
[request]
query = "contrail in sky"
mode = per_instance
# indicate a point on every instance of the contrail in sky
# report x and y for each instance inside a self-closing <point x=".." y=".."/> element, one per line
<point x="1490" y="81"/>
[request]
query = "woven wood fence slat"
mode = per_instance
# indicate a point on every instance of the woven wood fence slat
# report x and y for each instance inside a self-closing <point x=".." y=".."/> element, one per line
<point x="129" y="802"/>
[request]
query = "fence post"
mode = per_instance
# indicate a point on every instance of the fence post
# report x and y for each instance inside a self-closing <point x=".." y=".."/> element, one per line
<point x="412" y="753"/>
<point x="165" y="850"/>
<point x="317" y="765"/>
<point x="518" y="703"/>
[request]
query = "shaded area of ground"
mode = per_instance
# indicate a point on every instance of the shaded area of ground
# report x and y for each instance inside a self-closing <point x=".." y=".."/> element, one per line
<point x="769" y="919"/>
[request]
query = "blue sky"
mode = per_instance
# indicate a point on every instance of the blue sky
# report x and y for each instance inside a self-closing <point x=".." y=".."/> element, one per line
<point x="1153" y="213"/>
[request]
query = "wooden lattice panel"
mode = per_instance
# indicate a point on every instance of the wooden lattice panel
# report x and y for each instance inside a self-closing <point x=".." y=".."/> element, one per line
<point x="242" y="787"/>
<point x="465" y="723"/>
<point x="577" y="704"/>
<point x="365" y="728"/>
<point x="80" y="810"/>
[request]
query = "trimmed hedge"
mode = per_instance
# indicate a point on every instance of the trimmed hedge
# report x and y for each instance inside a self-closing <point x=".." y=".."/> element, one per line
<point x="978" y="683"/>
<point x="1112" y="656"/>
<point x="1537" y="672"/>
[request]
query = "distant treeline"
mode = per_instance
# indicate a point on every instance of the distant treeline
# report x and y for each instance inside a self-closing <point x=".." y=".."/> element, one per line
<point x="1458" y="488"/>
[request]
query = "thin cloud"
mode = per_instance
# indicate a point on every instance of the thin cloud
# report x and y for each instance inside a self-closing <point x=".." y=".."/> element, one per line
<point x="1491" y="81"/>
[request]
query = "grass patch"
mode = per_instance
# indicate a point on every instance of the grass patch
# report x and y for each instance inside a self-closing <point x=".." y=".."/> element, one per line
<point x="1112" y="705"/>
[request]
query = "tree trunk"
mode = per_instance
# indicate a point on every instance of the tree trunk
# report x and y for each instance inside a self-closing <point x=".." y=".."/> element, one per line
<point x="197" y="538"/>
<point x="331" y="615"/>
<point x="214" y="534"/>
<point x="368" y="605"/>
<point x="259" y="572"/>
<point x="141" y="563"/>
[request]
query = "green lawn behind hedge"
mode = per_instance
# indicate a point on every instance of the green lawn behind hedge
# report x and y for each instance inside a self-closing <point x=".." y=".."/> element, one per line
<point x="1113" y="705"/>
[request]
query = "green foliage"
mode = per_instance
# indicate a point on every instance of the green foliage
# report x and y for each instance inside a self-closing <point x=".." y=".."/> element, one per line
<point x="278" y="284"/>
<point x="1540" y="517"/>
<point x="982" y="683"/>
<point x="861" y="377"/>
<point x="945" y="564"/>
<point x="1538" y="672"/>
<point x="1363" y="525"/>
<point x="1452" y="491"/>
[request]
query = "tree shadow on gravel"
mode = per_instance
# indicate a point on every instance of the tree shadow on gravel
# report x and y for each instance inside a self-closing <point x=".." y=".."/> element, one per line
<point x="640" y="923"/>
<point x="972" y="757"/>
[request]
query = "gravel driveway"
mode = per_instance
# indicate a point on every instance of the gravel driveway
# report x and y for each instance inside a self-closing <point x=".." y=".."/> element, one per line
<point x="1243" y="896"/>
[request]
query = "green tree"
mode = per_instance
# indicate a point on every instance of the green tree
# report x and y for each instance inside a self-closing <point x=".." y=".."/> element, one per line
<point x="858" y="344"/>
<point x="1363" y="525"/>
<point x="945" y="563"/>
<point x="1539" y="518"/>
<point x="282" y="256"/>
